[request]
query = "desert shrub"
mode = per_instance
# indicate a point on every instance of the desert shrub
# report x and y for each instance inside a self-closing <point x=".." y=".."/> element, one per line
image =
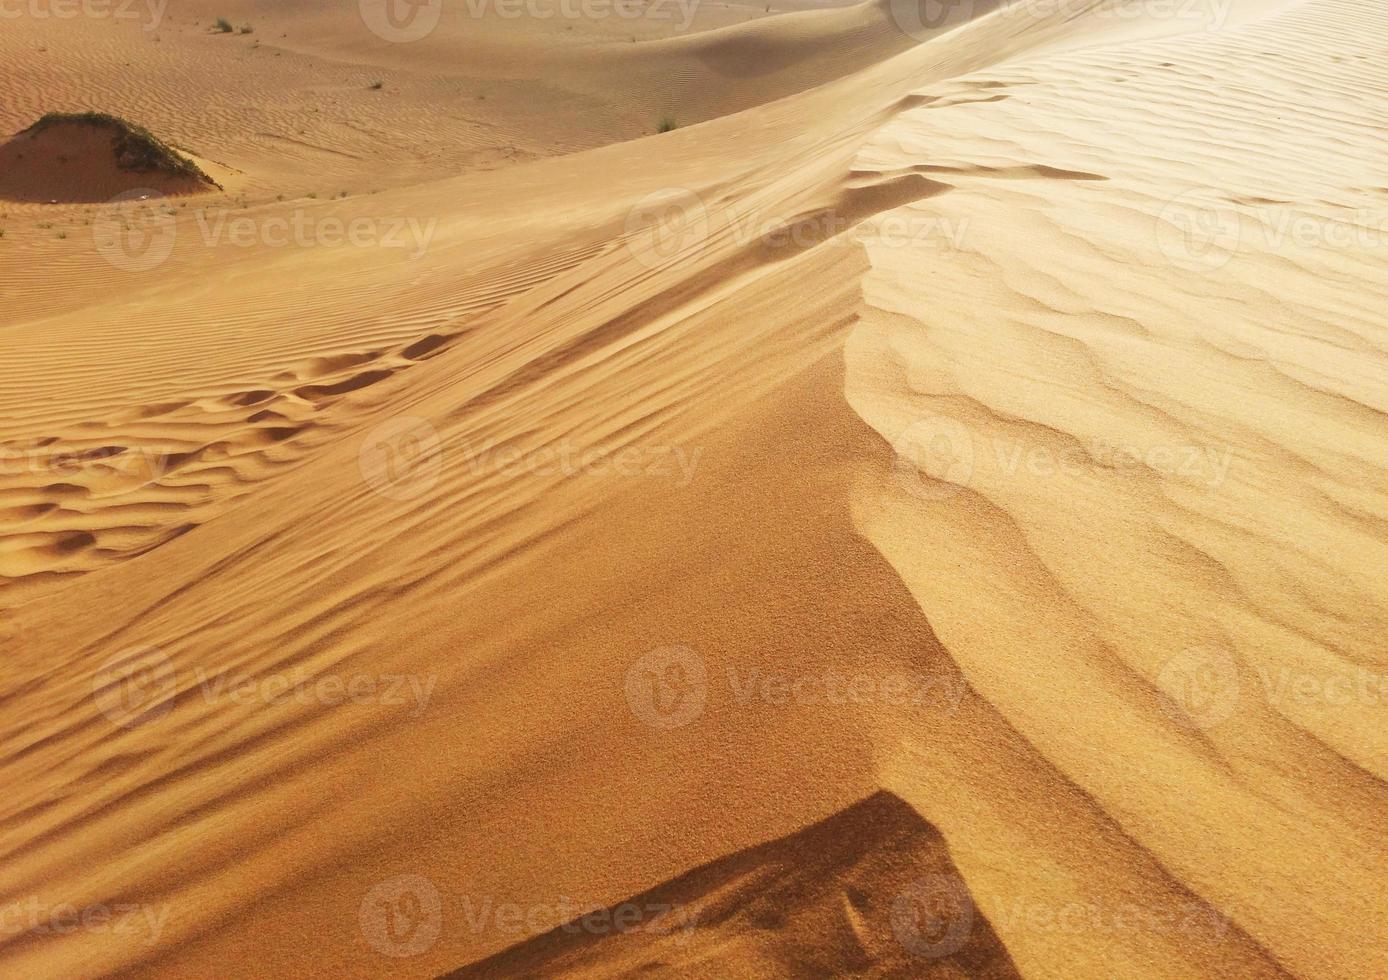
<point x="136" y="148"/>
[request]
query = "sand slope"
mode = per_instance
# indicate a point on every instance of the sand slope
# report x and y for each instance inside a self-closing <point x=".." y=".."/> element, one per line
<point x="866" y="892"/>
<point x="69" y="160"/>
<point x="907" y="391"/>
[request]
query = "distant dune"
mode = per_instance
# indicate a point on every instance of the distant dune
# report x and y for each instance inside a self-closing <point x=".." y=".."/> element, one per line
<point x="90" y="157"/>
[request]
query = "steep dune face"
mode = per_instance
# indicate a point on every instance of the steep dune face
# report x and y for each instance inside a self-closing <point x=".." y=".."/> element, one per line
<point x="1161" y="501"/>
<point x="910" y="433"/>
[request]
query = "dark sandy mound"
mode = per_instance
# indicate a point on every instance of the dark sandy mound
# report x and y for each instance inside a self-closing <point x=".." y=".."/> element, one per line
<point x="869" y="892"/>
<point x="91" y="156"/>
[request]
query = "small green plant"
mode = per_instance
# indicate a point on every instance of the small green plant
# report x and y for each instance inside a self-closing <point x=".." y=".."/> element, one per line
<point x="222" y="26"/>
<point x="378" y="85"/>
<point x="667" y="123"/>
<point x="2" y="232"/>
<point x="62" y="234"/>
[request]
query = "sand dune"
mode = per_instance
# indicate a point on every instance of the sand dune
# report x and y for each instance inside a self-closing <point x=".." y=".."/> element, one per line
<point x="71" y="158"/>
<point x="943" y="486"/>
<point x="874" y="881"/>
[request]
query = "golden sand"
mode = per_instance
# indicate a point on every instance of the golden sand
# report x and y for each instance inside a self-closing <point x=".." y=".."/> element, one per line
<point x="925" y="515"/>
